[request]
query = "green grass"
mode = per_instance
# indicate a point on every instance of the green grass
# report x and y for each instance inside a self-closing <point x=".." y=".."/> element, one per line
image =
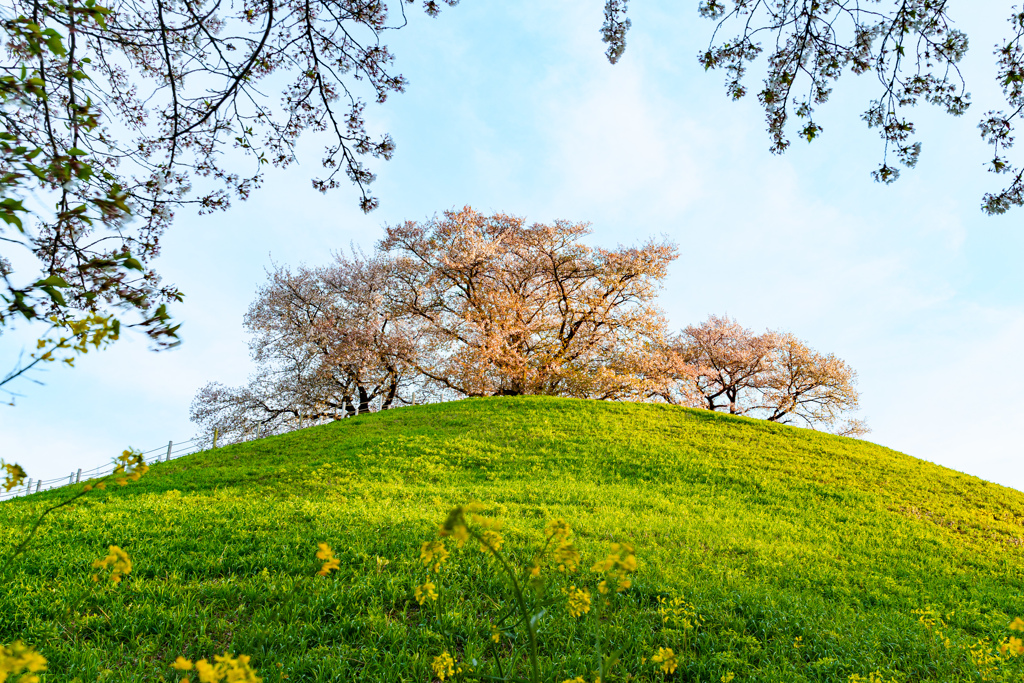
<point x="771" y="533"/>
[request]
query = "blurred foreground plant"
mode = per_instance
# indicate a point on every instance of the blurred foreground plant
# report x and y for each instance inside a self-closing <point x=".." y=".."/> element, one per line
<point x="532" y="598"/>
<point x="20" y="663"/>
<point x="129" y="466"/>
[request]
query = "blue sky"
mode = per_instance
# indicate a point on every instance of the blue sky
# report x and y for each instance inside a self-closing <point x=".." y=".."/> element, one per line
<point x="512" y="107"/>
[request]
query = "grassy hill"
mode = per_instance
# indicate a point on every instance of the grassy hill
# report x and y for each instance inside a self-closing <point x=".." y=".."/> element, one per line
<point x="792" y="555"/>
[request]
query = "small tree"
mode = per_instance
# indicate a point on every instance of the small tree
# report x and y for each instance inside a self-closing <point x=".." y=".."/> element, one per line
<point x="728" y="362"/>
<point x="327" y="345"/>
<point x="723" y="366"/>
<point x="815" y="389"/>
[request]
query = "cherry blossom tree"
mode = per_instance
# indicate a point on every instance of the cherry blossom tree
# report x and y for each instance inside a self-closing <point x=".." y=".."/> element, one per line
<point x="774" y="376"/>
<point x="327" y="345"/>
<point x="461" y="305"/>
<point x="509" y="308"/>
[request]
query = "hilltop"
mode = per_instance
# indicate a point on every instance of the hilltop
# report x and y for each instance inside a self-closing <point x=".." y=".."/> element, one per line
<point x="796" y="555"/>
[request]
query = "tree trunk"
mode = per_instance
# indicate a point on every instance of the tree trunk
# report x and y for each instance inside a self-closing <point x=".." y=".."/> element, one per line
<point x="364" y="401"/>
<point x="350" y="410"/>
<point x="390" y="396"/>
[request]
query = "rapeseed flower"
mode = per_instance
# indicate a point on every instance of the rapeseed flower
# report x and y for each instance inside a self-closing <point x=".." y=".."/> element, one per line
<point x="567" y="556"/>
<point x="330" y="561"/>
<point x="557" y="530"/>
<point x="678" y="613"/>
<point x="534" y="568"/>
<point x="117" y="561"/>
<point x="491" y="541"/>
<point x="1012" y="646"/>
<point x="433" y="552"/>
<point x="666" y="658"/>
<point x="17" y="658"/>
<point x="225" y="669"/>
<point x="427" y="591"/>
<point x="578" y="679"/>
<point x="1017" y="624"/>
<point x="130" y="465"/>
<point x="619" y="563"/>
<point x="444" y="666"/>
<point x="455" y="524"/>
<point x="579" y="601"/>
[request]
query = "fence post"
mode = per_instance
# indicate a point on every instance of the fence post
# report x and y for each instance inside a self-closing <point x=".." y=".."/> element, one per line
<point x="78" y="477"/>
<point x="71" y="479"/>
<point x="28" y="489"/>
<point x="39" y="484"/>
<point x="215" y="437"/>
<point x="169" y="444"/>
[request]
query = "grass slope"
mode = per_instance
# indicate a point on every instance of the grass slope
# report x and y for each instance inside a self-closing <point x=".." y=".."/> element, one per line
<point x="801" y="556"/>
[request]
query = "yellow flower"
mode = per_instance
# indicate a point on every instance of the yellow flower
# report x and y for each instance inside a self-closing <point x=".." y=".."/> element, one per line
<point x="433" y="552"/>
<point x="1012" y="647"/>
<point x="666" y="658"/>
<point x="426" y="592"/>
<point x="557" y="530"/>
<point x="579" y="601"/>
<point x="455" y="524"/>
<point x="330" y="561"/>
<point x="567" y="556"/>
<point x="1017" y="624"/>
<point x="618" y="565"/>
<point x="727" y="678"/>
<point x="182" y="664"/>
<point x="14" y="475"/>
<point x="131" y="464"/>
<point x="798" y="642"/>
<point x="578" y="679"/>
<point x="207" y="673"/>
<point x="117" y="561"/>
<point x="444" y="666"/>
<point x="491" y="541"/>
<point x="460" y="533"/>
<point x="225" y="669"/>
<point x="17" y="658"/>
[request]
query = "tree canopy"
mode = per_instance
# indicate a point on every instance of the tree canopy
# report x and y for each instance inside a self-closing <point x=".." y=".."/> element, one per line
<point x="467" y="304"/>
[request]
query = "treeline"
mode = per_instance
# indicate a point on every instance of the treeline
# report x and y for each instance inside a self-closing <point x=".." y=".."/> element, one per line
<point x="474" y="305"/>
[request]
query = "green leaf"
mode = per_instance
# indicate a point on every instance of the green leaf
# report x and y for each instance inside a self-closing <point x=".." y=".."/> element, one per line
<point x="12" y="219"/>
<point x="55" y="45"/>
<point x="55" y="294"/>
<point x="53" y="281"/>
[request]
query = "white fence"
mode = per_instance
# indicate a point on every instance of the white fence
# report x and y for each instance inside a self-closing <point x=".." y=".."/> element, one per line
<point x="173" y="449"/>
